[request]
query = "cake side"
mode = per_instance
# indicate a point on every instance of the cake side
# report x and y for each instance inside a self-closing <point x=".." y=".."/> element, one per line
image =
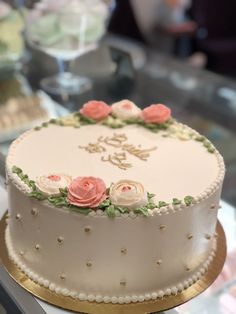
<point x="169" y="212"/>
<point x="124" y="257"/>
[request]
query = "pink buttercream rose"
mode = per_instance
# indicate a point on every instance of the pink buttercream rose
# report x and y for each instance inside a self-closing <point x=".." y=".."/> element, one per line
<point x="156" y="114"/>
<point x="86" y="192"/>
<point x="96" y="110"/>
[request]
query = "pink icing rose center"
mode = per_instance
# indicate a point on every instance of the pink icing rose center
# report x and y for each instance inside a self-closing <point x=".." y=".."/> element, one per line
<point x="96" y="110"/>
<point x="126" y="188"/>
<point x="156" y="113"/>
<point x="127" y="106"/>
<point x="87" y="192"/>
<point x="54" y="178"/>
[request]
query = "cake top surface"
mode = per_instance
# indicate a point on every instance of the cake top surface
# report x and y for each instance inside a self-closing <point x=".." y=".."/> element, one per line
<point x="171" y="162"/>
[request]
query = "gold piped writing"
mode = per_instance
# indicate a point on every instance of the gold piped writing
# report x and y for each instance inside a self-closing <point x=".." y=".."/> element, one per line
<point x="94" y="148"/>
<point x="118" y="141"/>
<point x="118" y="159"/>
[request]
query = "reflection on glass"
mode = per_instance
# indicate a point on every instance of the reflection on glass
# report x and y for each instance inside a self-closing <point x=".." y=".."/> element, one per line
<point x="65" y="30"/>
<point x="11" y="42"/>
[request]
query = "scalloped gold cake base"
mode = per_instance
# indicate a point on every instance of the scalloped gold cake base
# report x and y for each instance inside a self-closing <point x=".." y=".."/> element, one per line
<point x="133" y="308"/>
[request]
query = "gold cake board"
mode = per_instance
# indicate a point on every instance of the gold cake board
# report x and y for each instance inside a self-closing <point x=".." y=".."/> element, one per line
<point x="85" y="307"/>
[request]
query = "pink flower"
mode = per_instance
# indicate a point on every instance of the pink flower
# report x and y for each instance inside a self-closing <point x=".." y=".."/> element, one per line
<point x="86" y="192"/>
<point x="156" y="114"/>
<point x="96" y="110"/>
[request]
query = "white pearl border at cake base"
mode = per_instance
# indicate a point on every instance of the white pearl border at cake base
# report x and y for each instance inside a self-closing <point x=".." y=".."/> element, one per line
<point x="148" y="303"/>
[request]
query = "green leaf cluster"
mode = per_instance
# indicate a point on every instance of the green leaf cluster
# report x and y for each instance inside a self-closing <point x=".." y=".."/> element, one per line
<point x="24" y="177"/>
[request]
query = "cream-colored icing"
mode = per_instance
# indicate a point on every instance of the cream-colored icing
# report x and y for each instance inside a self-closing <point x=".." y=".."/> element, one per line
<point x="62" y="289"/>
<point x="160" y="257"/>
<point x="56" y="149"/>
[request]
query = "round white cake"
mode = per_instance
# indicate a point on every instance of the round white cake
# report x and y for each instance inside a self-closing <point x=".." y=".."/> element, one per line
<point x="121" y="208"/>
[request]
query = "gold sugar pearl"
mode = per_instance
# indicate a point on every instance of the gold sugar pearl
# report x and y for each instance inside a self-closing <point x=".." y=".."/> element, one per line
<point x="187" y="268"/>
<point x="189" y="236"/>
<point x="63" y="276"/>
<point x="162" y="227"/>
<point x="213" y="206"/>
<point x="159" y="262"/>
<point x="60" y="239"/>
<point x="87" y="229"/>
<point x="18" y="216"/>
<point x="37" y="247"/>
<point x="21" y="253"/>
<point x="207" y="236"/>
<point x="89" y="264"/>
<point x="123" y="251"/>
<point x="34" y="212"/>
<point x="123" y="282"/>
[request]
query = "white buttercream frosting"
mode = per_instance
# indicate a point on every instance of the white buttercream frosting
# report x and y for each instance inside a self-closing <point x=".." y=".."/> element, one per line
<point x="175" y="169"/>
<point x="52" y="183"/>
<point x="128" y="194"/>
<point x="126" y="110"/>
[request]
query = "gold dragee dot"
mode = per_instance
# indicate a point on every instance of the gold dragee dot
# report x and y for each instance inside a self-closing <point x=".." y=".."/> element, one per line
<point x="187" y="268"/>
<point x="21" y="253"/>
<point x="63" y="276"/>
<point x="189" y="236"/>
<point x="18" y="216"/>
<point x="87" y="229"/>
<point x="162" y="227"/>
<point x="213" y="206"/>
<point x="60" y="239"/>
<point x="159" y="262"/>
<point x="34" y="212"/>
<point x="123" y="251"/>
<point x="123" y="282"/>
<point x="207" y="236"/>
<point x="37" y="246"/>
<point x="89" y="264"/>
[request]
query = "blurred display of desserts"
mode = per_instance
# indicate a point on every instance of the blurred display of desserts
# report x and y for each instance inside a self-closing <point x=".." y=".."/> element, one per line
<point x="11" y="41"/>
<point x="20" y="113"/>
<point x="66" y="29"/>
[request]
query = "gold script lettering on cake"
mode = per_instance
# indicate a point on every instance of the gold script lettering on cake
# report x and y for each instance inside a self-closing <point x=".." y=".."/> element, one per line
<point x="120" y="142"/>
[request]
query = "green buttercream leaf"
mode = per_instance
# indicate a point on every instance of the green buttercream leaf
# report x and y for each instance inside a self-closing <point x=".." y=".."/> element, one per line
<point x="53" y="121"/>
<point x="151" y="205"/>
<point x="162" y="204"/>
<point x="58" y="201"/>
<point x="16" y="170"/>
<point x="32" y="185"/>
<point x="84" y="211"/>
<point x="38" y="195"/>
<point x="150" y="195"/>
<point x="176" y="201"/>
<point x="110" y="210"/>
<point x="188" y="200"/>
<point x="85" y="120"/>
<point x="105" y="204"/>
<point x="113" y="122"/>
<point x="141" y="210"/>
<point x="122" y="210"/>
<point x="211" y="150"/>
<point x="37" y="128"/>
<point x="64" y="191"/>
<point x="200" y="138"/>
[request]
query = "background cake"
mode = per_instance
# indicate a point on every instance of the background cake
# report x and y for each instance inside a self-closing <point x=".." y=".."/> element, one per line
<point x="113" y="204"/>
